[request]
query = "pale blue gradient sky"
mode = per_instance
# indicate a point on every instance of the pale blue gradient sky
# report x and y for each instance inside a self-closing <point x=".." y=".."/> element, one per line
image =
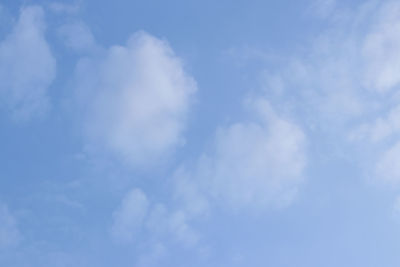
<point x="199" y="133"/>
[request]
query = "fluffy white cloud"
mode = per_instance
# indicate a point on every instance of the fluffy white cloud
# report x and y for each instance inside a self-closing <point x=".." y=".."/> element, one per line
<point x="137" y="214"/>
<point x="381" y="49"/>
<point x="323" y="84"/>
<point x="346" y="85"/>
<point x="253" y="165"/>
<point x="27" y="66"/>
<point x="77" y="36"/>
<point x="387" y="167"/>
<point x="379" y="129"/>
<point x="382" y="135"/>
<point x="9" y="233"/>
<point x="129" y="217"/>
<point x="348" y="71"/>
<point x="380" y="63"/>
<point x="164" y="222"/>
<point x="135" y="99"/>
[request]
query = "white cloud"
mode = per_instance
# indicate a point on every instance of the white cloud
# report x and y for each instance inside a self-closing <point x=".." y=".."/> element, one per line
<point x="153" y="257"/>
<point x="129" y="217"/>
<point x="387" y="167"/>
<point x="167" y="223"/>
<point x="322" y="84"/>
<point x="347" y="70"/>
<point x="70" y="8"/>
<point x="189" y="193"/>
<point x="9" y="233"/>
<point x="346" y="85"/>
<point x="396" y="208"/>
<point x="381" y="49"/>
<point x="253" y="165"/>
<point x="27" y="67"/>
<point x="379" y="129"/>
<point x="137" y="214"/>
<point x="380" y="69"/>
<point x="135" y="99"/>
<point x="77" y="36"/>
<point x="381" y="136"/>
<point x="323" y="8"/>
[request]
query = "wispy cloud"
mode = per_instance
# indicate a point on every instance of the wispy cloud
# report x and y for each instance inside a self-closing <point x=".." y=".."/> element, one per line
<point x="10" y="235"/>
<point x="27" y="67"/>
<point x="323" y="8"/>
<point x="66" y="8"/>
<point x="77" y="36"/>
<point x="130" y="216"/>
<point x="346" y="83"/>
<point x="139" y="221"/>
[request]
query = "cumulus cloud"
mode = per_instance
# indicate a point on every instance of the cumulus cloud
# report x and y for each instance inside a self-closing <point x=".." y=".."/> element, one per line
<point x="253" y="165"/>
<point x="129" y="217"/>
<point x="137" y="215"/>
<point x="348" y="71"/>
<point x="27" y="66"/>
<point x="153" y="257"/>
<point x="387" y="167"/>
<point x="322" y="84"/>
<point x="134" y="99"/>
<point x="378" y="129"/>
<point x="346" y="84"/>
<point x="77" y="36"/>
<point x="173" y="223"/>
<point x="9" y="232"/>
<point x="381" y="49"/>
<point x="396" y="208"/>
<point x="70" y="8"/>
<point x="323" y="8"/>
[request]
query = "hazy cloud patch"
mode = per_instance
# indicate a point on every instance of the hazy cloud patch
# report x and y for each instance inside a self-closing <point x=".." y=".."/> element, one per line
<point x="27" y="67"/>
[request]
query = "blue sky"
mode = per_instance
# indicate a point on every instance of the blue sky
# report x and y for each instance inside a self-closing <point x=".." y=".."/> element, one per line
<point x="199" y="133"/>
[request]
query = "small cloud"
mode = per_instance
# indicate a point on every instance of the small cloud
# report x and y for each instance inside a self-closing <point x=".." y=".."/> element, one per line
<point x="129" y="217"/>
<point x="396" y="208"/>
<point x="77" y="36"/>
<point x="381" y="49"/>
<point x="379" y="129"/>
<point x="27" y="67"/>
<point x="323" y="8"/>
<point x="10" y="235"/>
<point x="154" y="256"/>
<point x="388" y="168"/>
<point x="71" y="9"/>
<point x="137" y="215"/>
